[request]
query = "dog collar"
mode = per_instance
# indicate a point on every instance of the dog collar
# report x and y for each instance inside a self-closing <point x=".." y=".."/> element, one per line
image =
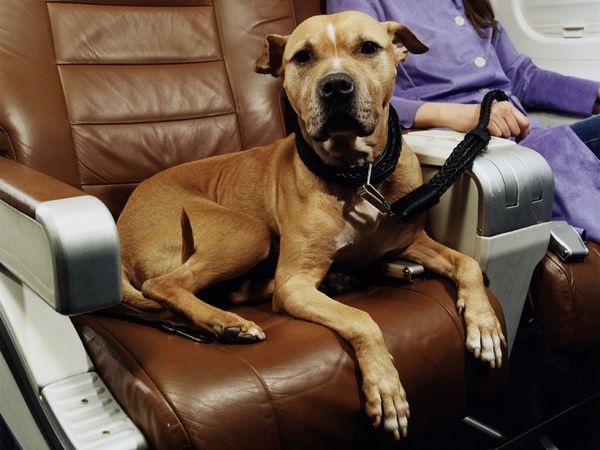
<point x="355" y="176"/>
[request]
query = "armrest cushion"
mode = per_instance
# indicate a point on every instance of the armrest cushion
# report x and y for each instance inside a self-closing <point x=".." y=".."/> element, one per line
<point x="24" y="188"/>
<point x="57" y="240"/>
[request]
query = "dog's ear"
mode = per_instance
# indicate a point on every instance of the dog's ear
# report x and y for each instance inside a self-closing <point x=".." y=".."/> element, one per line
<point x="404" y="41"/>
<point x="271" y="60"/>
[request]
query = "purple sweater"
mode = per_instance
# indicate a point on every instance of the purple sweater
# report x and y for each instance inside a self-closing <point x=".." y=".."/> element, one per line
<point x="461" y="66"/>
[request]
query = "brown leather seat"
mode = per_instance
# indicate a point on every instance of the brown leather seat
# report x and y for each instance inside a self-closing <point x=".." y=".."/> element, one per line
<point x="101" y="94"/>
<point x="566" y="298"/>
<point x="298" y="389"/>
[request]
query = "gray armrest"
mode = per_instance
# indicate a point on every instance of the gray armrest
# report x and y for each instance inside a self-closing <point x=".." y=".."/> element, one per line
<point x="499" y="212"/>
<point x="68" y="252"/>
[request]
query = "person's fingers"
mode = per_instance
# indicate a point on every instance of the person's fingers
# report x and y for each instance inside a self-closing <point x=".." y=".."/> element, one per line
<point x="494" y="129"/>
<point x="513" y="125"/>
<point x="523" y="123"/>
<point x="500" y="115"/>
<point x="500" y="123"/>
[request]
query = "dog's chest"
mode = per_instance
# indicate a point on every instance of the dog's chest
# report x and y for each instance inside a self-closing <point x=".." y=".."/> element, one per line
<point x="367" y="233"/>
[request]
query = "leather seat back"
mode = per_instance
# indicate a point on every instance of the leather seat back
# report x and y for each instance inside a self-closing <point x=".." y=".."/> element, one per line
<point x="104" y="93"/>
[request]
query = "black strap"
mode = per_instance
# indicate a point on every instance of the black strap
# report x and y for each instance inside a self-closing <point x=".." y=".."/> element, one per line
<point x="461" y="158"/>
<point x="355" y="176"/>
<point x="179" y="328"/>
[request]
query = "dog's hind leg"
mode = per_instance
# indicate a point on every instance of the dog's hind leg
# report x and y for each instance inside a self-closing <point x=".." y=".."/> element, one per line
<point x="133" y="297"/>
<point x="227" y="245"/>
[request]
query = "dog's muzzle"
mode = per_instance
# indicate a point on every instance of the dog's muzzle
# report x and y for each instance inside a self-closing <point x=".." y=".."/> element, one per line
<point x="337" y="95"/>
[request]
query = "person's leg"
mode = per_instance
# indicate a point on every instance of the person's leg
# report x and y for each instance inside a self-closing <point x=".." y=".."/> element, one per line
<point x="588" y="130"/>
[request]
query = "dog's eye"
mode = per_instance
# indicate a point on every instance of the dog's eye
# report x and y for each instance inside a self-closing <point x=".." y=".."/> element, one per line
<point x="301" y="57"/>
<point x="369" y="48"/>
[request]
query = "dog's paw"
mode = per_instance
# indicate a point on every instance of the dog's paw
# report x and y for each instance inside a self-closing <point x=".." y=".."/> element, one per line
<point x="485" y="338"/>
<point x="385" y="398"/>
<point x="234" y="329"/>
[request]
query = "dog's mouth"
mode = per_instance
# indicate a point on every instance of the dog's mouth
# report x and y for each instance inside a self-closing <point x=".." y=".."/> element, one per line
<point x="343" y="120"/>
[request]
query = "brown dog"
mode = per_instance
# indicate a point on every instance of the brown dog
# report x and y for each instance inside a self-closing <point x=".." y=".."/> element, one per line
<point x="235" y="210"/>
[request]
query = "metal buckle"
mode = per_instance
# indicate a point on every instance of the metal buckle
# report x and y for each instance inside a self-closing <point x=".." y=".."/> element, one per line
<point x="404" y="270"/>
<point x="566" y="242"/>
<point x="370" y="193"/>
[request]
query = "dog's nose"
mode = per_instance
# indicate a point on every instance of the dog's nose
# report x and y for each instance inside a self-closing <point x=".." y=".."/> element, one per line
<point x="336" y="85"/>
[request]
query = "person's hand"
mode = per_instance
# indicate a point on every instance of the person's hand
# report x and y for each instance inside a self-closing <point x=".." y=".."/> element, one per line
<point x="507" y="121"/>
<point x="597" y="104"/>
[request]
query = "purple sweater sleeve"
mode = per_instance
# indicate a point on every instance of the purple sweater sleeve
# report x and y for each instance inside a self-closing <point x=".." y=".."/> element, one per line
<point x="543" y="89"/>
<point x="370" y="7"/>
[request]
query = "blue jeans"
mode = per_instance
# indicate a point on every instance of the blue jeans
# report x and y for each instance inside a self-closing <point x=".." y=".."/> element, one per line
<point x="588" y="130"/>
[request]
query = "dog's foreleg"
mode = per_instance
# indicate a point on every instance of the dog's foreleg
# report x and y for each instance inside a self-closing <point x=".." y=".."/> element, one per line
<point x="484" y="332"/>
<point x="296" y="293"/>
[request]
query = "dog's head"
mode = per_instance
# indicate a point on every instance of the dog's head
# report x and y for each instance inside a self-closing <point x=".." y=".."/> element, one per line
<point x="339" y="70"/>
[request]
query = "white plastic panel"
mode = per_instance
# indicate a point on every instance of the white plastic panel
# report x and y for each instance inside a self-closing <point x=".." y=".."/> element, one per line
<point x="16" y="413"/>
<point x="46" y="341"/>
<point x="559" y="35"/>
<point x="508" y="260"/>
<point x="90" y="416"/>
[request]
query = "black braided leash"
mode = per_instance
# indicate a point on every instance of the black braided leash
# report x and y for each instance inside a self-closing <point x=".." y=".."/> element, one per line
<point x="424" y="197"/>
<point x="461" y="159"/>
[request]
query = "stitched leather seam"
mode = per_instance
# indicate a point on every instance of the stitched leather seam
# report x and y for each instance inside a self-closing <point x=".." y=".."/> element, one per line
<point x="561" y="268"/>
<point x="455" y="318"/>
<point x="229" y="77"/>
<point x="145" y="63"/>
<point x="141" y="367"/>
<point x="62" y="89"/>
<point x="264" y="386"/>
<point x="10" y="151"/>
<point x="142" y="122"/>
<point x="141" y="3"/>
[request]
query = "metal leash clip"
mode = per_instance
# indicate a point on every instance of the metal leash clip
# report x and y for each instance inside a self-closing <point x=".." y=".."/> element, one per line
<point x="370" y="193"/>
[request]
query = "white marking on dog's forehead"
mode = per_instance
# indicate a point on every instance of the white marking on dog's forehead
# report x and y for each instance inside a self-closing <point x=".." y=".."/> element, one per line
<point x="331" y="35"/>
<point x="331" y="32"/>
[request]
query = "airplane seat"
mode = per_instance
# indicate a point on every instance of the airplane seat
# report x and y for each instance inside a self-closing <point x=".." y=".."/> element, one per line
<point x="95" y="96"/>
<point x="563" y="37"/>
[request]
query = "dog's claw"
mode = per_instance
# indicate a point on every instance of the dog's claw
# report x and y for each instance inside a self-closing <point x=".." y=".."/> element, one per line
<point x="377" y="421"/>
<point x="230" y="334"/>
<point x="239" y="334"/>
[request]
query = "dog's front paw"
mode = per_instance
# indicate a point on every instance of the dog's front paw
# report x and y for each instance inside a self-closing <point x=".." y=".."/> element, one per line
<point x="231" y="328"/>
<point x="485" y="338"/>
<point x="385" y="398"/>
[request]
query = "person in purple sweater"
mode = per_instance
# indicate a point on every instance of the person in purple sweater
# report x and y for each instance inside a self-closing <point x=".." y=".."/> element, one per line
<point x="471" y="53"/>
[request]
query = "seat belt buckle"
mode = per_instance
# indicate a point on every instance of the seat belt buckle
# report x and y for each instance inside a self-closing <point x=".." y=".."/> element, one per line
<point x="566" y="242"/>
<point x="404" y="270"/>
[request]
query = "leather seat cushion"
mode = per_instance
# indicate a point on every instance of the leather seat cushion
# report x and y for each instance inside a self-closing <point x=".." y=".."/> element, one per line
<point x="299" y="388"/>
<point x="566" y="298"/>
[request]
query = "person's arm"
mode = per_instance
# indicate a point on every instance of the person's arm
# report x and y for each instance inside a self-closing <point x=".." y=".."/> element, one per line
<point x="505" y="119"/>
<point x="543" y="89"/>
